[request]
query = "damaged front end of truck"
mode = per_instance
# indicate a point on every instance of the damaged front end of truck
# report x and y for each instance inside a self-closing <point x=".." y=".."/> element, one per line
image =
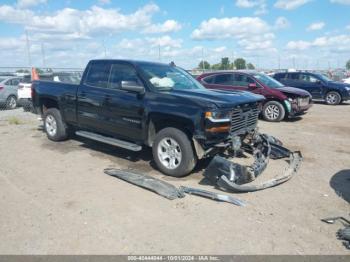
<point x="228" y="175"/>
<point x="243" y="140"/>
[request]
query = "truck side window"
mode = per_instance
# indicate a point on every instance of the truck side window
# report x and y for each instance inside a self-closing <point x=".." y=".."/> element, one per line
<point x="121" y="72"/>
<point x="98" y="75"/>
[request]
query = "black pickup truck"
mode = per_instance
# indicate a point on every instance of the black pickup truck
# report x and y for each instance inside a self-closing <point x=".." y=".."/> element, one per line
<point x="132" y="103"/>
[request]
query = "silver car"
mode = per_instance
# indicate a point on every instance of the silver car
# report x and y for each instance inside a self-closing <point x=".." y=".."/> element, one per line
<point x="8" y="91"/>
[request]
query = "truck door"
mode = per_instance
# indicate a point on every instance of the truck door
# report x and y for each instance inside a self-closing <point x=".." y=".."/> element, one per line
<point x="104" y="108"/>
<point x="123" y="110"/>
<point x="91" y="95"/>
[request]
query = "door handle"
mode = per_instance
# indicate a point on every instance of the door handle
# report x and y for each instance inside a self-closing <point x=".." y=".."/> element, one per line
<point x="83" y="94"/>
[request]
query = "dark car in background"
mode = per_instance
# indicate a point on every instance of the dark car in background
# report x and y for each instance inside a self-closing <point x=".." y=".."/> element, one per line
<point x="281" y="101"/>
<point x="318" y="85"/>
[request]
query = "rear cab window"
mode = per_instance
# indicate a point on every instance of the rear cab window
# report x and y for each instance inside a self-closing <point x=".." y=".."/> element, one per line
<point x="98" y="75"/>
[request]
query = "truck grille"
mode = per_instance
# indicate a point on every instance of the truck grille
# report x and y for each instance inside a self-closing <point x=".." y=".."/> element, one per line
<point x="244" y="119"/>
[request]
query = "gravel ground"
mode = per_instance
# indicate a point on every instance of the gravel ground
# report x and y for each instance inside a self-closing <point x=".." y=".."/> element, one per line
<point x="55" y="198"/>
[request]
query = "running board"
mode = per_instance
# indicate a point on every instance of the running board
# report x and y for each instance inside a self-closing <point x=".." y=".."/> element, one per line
<point x="109" y="140"/>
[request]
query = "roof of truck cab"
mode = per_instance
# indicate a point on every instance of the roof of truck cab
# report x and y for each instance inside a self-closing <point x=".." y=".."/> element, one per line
<point x="135" y="62"/>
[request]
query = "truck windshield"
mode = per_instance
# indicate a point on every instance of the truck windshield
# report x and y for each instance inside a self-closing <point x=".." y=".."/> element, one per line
<point x="268" y="81"/>
<point x="166" y="77"/>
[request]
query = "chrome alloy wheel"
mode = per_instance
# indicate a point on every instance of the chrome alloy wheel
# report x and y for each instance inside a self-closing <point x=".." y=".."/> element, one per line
<point x="51" y="125"/>
<point x="169" y="153"/>
<point x="272" y="112"/>
<point x="12" y="103"/>
<point x="332" y="98"/>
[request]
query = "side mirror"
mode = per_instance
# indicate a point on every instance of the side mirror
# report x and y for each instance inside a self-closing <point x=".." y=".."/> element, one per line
<point x="252" y="86"/>
<point x="319" y="82"/>
<point x="132" y="86"/>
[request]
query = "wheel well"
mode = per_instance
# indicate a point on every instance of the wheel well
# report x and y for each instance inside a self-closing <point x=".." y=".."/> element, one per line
<point x="47" y="103"/>
<point x="158" y="123"/>
<point x="12" y="95"/>
<point x="333" y="90"/>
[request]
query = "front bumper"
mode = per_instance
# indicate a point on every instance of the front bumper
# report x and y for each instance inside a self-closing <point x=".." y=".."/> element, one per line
<point x="231" y="176"/>
<point x="297" y="109"/>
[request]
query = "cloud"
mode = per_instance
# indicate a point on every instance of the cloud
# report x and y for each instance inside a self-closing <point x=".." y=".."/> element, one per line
<point x="104" y="2"/>
<point x="259" y="4"/>
<point x="336" y="44"/>
<point x="343" y="2"/>
<point x="29" y="3"/>
<point x="298" y="45"/>
<point x="290" y="4"/>
<point x="85" y="23"/>
<point x="165" y="41"/>
<point x="281" y="23"/>
<point x="234" y="27"/>
<point x="167" y="27"/>
<point x="316" y="26"/>
<point x="251" y="32"/>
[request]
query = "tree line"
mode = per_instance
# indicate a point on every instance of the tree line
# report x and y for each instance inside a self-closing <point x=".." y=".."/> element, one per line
<point x="226" y="64"/>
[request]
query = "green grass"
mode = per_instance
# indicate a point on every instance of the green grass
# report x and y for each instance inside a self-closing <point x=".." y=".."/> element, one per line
<point x="14" y="121"/>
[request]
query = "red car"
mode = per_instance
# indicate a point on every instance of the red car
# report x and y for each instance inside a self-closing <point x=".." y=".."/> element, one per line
<point x="281" y="101"/>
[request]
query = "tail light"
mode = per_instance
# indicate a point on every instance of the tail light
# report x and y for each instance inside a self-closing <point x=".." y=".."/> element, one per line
<point x="1" y="88"/>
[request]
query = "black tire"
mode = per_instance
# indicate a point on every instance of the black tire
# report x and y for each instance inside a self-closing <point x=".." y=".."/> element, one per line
<point x="61" y="132"/>
<point x="182" y="144"/>
<point x="11" y="102"/>
<point x="273" y="111"/>
<point x="333" y="98"/>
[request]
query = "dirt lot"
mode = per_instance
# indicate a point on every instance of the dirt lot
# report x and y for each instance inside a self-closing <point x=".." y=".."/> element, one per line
<point x="55" y="198"/>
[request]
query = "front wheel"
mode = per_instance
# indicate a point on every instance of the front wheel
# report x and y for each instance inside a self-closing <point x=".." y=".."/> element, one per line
<point x="273" y="111"/>
<point x="11" y="102"/>
<point x="333" y="98"/>
<point x="173" y="152"/>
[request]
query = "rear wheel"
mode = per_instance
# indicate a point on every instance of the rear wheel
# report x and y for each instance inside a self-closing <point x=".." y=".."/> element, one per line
<point x="333" y="98"/>
<point x="11" y="102"/>
<point x="273" y="111"/>
<point x="173" y="152"/>
<point x="55" y="128"/>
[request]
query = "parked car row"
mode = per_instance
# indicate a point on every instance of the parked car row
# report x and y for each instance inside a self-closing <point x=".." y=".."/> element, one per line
<point x="280" y="101"/>
<point x="16" y="91"/>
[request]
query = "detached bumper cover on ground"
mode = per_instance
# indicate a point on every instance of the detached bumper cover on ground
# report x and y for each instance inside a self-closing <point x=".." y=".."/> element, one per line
<point x="234" y="177"/>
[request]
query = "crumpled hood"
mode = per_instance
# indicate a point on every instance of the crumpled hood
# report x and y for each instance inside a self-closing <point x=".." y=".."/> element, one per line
<point x="287" y="90"/>
<point x="220" y="98"/>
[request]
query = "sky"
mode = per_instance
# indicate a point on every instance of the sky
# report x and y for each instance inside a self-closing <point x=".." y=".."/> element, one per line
<point x="301" y="34"/>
